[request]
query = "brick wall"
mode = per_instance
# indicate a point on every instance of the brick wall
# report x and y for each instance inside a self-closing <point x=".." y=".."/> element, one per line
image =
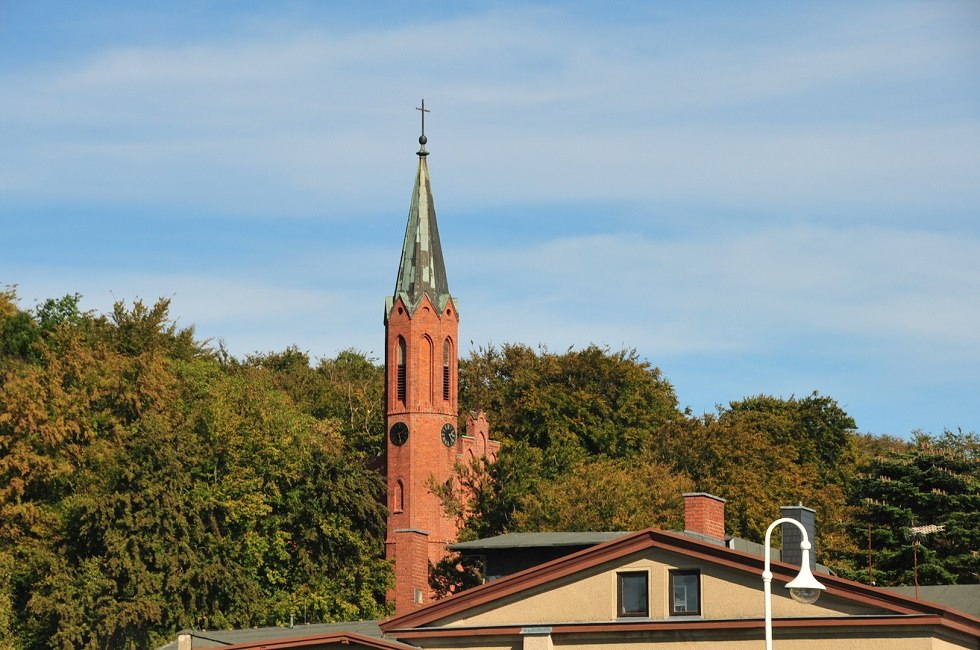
<point x="418" y="530"/>
<point x="704" y="514"/>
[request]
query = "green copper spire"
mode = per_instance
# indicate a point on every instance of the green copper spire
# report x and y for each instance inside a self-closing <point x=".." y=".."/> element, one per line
<point x="422" y="269"/>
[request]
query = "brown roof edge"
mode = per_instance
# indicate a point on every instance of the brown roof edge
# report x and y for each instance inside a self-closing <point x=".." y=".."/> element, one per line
<point x="517" y="582"/>
<point x="318" y="639"/>
<point x="666" y="625"/>
<point x="678" y="543"/>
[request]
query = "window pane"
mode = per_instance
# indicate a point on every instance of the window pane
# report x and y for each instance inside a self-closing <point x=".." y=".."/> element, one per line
<point x="633" y="594"/>
<point x="685" y="598"/>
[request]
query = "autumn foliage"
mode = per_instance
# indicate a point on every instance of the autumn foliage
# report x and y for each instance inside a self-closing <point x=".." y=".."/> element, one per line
<point x="151" y="482"/>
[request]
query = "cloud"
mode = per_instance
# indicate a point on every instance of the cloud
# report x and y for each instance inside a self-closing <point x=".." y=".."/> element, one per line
<point x="300" y="120"/>
<point x="774" y="191"/>
<point x="748" y="293"/>
<point x="245" y="314"/>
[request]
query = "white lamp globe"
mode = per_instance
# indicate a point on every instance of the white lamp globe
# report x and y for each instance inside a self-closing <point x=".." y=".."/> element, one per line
<point x="805" y="595"/>
<point x="804" y="588"/>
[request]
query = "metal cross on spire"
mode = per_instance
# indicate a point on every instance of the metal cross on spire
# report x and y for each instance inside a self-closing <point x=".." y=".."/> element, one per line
<point x="422" y="139"/>
<point x="424" y="111"/>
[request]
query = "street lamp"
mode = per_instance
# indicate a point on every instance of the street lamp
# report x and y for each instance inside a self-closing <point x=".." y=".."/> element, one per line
<point x="804" y="588"/>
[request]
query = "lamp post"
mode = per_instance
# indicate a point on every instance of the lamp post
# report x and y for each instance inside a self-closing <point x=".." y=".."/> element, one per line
<point x="804" y="588"/>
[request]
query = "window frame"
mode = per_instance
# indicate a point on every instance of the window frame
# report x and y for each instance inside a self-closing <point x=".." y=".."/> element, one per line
<point x="621" y="578"/>
<point x="675" y="573"/>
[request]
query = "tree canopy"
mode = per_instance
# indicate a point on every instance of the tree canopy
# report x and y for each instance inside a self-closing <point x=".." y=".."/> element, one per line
<point x="917" y="511"/>
<point x="148" y="483"/>
<point x="593" y="440"/>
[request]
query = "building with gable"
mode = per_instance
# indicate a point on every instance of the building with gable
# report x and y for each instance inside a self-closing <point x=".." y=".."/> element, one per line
<point x="660" y="590"/>
<point x="650" y="589"/>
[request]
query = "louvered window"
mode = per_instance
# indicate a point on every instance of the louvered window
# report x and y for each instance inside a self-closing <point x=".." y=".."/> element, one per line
<point x="401" y="369"/>
<point x="446" y="363"/>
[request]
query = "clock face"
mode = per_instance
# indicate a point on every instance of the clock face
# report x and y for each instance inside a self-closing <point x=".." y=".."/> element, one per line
<point x="448" y="435"/>
<point x="398" y="433"/>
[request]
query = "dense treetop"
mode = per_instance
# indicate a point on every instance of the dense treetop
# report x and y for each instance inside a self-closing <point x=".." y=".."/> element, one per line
<point x="151" y="482"/>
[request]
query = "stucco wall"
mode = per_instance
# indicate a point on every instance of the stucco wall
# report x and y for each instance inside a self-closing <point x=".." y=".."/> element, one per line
<point x="590" y="596"/>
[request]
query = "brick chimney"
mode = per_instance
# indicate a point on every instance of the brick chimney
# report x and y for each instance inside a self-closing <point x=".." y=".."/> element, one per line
<point x="704" y="514"/>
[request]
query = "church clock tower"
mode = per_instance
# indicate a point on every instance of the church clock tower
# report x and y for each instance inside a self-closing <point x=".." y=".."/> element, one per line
<point x="421" y="343"/>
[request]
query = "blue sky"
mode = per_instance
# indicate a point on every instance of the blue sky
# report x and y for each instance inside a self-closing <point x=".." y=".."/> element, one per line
<point x="760" y="197"/>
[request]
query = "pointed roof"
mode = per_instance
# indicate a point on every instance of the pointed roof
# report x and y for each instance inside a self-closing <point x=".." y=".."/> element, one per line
<point x="895" y="609"/>
<point x="353" y="634"/>
<point x="422" y="269"/>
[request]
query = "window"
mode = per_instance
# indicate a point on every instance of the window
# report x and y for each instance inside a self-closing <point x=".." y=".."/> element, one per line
<point x="425" y="377"/>
<point x="685" y="593"/>
<point x="401" y="369"/>
<point x="398" y="504"/>
<point x="446" y="359"/>
<point x="632" y="590"/>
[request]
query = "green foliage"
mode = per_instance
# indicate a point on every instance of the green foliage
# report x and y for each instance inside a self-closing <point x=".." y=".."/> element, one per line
<point x="764" y="452"/>
<point x="455" y="573"/>
<point x="575" y="428"/>
<point x="582" y="403"/>
<point x="348" y="390"/>
<point x="593" y="440"/>
<point x="932" y="481"/>
<point x="57" y="312"/>
<point x="608" y="494"/>
<point x="815" y="429"/>
<point x="18" y="330"/>
<point x="7" y="613"/>
<point x="496" y="491"/>
<point x="734" y="459"/>
<point x="147" y="485"/>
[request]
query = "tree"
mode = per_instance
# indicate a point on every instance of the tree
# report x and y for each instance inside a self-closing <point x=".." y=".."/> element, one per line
<point x="734" y="459"/>
<point x="582" y="403"/>
<point x="933" y="485"/>
<point x="608" y="494"/>
<point x="763" y="452"/>
<point x="148" y="484"/>
<point x="818" y="432"/>
<point x="494" y="492"/>
<point x="348" y="390"/>
<point x="353" y="396"/>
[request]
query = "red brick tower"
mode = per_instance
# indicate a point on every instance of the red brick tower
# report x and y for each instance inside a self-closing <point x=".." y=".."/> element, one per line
<point x="421" y="343"/>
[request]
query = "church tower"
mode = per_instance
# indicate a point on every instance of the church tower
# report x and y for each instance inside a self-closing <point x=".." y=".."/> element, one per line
<point x="421" y="344"/>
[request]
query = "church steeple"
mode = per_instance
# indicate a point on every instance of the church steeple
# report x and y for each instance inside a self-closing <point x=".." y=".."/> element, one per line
<point x="421" y="382"/>
<point x="422" y="269"/>
<point x="421" y="332"/>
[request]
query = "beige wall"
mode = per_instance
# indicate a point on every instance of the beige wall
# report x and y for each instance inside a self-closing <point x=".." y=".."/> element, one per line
<point x="590" y="596"/>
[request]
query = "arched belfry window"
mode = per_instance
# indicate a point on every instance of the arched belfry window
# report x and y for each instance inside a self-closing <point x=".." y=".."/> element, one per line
<point x="447" y="355"/>
<point x="401" y="369"/>
<point x="424" y="382"/>
<point x="398" y="502"/>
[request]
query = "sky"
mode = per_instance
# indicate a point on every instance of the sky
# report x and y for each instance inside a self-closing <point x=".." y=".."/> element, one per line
<point x="758" y="197"/>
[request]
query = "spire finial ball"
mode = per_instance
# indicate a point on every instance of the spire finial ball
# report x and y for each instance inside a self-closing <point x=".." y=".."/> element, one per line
<point x="423" y="139"/>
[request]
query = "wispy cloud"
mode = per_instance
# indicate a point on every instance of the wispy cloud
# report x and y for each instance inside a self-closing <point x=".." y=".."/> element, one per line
<point x="751" y="292"/>
<point x="283" y="123"/>
<point x="787" y="189"/>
